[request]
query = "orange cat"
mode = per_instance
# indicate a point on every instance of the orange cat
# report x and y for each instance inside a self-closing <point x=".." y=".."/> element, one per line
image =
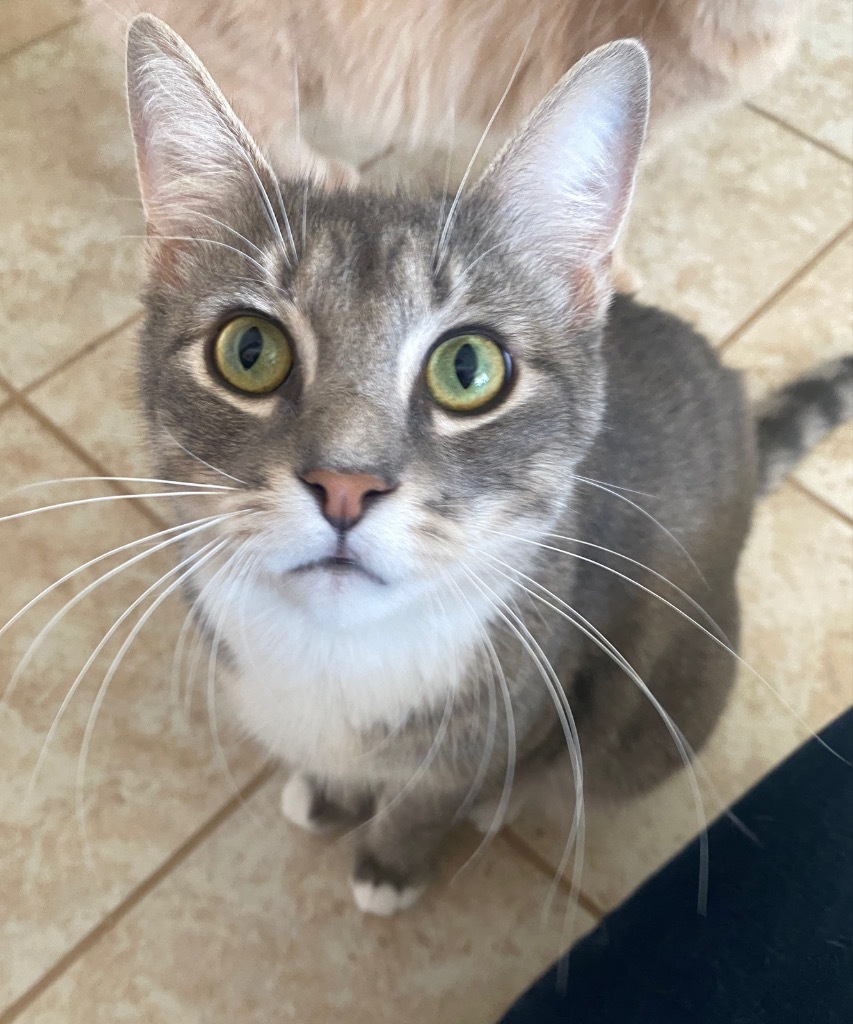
<point x="420" y="73"/>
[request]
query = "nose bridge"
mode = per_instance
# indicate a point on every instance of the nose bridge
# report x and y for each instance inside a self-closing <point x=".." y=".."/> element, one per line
<point x="353" y="434"/>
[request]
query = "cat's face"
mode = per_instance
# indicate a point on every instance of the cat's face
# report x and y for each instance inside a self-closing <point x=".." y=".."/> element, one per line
<point x="362" y="314"/>
<point x="375" y="475"/>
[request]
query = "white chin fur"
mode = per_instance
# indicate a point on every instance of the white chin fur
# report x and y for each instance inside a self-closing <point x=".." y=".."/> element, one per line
<point x="311" y="690"/>
<point x="384" y="900"/>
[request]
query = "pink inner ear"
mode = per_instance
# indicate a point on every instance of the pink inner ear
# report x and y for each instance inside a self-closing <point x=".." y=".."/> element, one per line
<point x="565" y="181"/>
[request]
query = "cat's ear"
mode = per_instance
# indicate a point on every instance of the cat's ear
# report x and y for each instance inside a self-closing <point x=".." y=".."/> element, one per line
<point x="563" y="183"/>
<point x="193" y="154"/>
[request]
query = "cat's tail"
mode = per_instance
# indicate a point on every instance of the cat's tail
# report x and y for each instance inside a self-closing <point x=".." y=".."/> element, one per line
<point x="794" y="419"/>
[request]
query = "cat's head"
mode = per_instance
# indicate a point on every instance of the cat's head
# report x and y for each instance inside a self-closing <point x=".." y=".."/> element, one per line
<point x="397" y="388"/>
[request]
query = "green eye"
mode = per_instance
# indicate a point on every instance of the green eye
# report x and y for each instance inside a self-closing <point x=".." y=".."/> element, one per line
<point x="466" y="372"/>
<point x="253" y="355"/>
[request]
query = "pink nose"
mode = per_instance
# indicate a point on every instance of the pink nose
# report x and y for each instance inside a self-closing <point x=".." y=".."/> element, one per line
<point x="343" y="496"/>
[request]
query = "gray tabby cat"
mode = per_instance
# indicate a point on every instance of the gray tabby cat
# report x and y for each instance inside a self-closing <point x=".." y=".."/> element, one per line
<point x="412" y="414"/>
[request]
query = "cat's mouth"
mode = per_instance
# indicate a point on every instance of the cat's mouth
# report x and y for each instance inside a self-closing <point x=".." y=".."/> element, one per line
<point x="339" y="564"/>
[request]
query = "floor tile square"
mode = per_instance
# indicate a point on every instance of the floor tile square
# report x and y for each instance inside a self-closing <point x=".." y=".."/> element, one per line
<point x="68" y="200"/>
<point x="28" y="20"/>
<point x="112" y="430"/>
<point x="258" y="926"/>
<point x="153" y="775"/>
<point x="724" y="216"/>
<point x="814" y="94"/>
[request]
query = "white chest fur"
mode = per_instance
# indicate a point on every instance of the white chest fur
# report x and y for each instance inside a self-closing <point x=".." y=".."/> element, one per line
<point x="310" y="691"/>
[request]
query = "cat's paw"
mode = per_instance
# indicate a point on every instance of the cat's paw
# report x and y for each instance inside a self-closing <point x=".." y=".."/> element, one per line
<point x="384" y="899"/>
<point x="302" y="803"/>
<point x="377" y="891"/>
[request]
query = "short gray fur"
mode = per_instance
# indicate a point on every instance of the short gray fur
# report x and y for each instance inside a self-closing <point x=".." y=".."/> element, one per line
<point x="628" y="396"/>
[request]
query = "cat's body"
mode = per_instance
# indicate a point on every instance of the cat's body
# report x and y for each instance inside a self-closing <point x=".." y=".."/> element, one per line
<point x="365" y="681"/>
<point x="419" y="546"/>
<point x="428" y="74"/>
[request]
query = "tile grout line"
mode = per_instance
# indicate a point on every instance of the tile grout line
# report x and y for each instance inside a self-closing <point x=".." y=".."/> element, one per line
<point x="800" y="133"/>
<point x="22" y="402"/>
<point x="16" y="51"/>
<point x="782" y="290"/>
<point x="136" y="895"/>
<point x="77" y="356"/>
<point x="818" y="499"/>
<point x="544" y="867"/>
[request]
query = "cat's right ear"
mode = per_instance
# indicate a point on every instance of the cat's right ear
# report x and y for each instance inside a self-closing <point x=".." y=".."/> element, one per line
<point x="194" y="156"/>
<point x="563" y="183"/>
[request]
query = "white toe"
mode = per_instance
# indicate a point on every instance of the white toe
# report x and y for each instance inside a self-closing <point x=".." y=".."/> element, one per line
<point x="384" y="900"/>
<point x="297" y="798"/>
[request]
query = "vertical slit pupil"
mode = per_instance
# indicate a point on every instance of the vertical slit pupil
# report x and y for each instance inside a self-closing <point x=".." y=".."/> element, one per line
<point x="249" y="347"/>
<point x="465" y="365"/>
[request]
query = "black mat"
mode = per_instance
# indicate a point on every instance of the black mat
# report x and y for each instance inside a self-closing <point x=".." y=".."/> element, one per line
<point x="776" y="944"/>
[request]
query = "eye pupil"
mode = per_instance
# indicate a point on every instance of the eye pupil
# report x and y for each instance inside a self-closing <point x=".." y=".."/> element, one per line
<point x="467" y="372"/>
<point x="249" y="347"/>
<point x="465" y="365"/>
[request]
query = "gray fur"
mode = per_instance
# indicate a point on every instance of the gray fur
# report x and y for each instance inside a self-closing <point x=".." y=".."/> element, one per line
<point x="628" y="395"/>
<point x="798" y="416"/>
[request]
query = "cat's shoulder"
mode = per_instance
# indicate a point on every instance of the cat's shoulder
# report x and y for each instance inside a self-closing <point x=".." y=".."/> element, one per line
<point x="643" y="339"/>
<point x="633" y="321"/>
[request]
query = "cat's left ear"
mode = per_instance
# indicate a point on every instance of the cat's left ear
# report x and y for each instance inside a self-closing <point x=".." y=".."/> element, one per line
<point x="193" y="154"/>
<point x="563" y="183"/>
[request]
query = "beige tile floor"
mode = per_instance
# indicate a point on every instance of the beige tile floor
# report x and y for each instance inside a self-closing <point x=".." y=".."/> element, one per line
<point x="160" y="883"/>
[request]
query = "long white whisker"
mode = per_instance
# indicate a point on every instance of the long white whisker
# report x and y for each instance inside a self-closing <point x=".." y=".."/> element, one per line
<point x="445" y="190"/>
<point x="575" y="840"/>
<point x="423" y="767"/>
<point x="488" y="649"/>
<point x="195" y="239"/>
<point x="265" y="199"/>
<point x="304" y="215"/>
<point x="617" y="554"/>
<point x="511" y="757"/>
<point x="94" y="561"/>
<point x="116" y="479"/>
<point x="196" y="651"/>
<point x="287" y="227"/>
<point x="102" y="497"/>
<point x="240" y="564"/>
<point x="618" y="487"/>
<point x="81" y="675"/>
<point x="639" y="508"/>
<point x="684" y="749"/>
<point x="689" y="618"/>
<point x="195" y="560"/>
<point x="200" y="460"/>
<point x="448" y="224"/>
<point x="28" y="654"/>
<point x="186" y="211"/>
<point x="178" y="656"/>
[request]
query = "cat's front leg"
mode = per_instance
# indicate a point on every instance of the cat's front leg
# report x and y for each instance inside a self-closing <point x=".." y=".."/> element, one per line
<point x="395" y="850"/>
<point x="324" y="807"/>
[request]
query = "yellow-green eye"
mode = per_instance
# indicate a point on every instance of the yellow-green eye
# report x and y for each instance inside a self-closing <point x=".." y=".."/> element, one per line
<point x="466" y="372"/>
<point x="253" y="355"/>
